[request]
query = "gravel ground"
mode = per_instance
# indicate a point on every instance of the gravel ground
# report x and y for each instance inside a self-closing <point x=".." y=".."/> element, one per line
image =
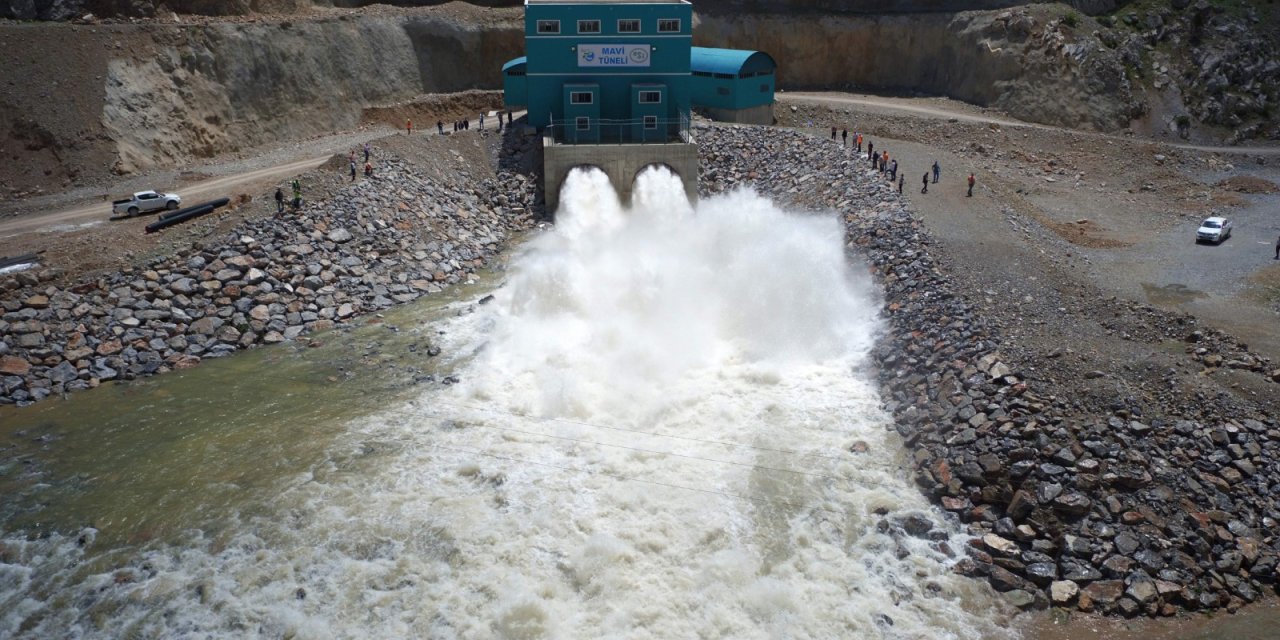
<point x="1066" y="211"/>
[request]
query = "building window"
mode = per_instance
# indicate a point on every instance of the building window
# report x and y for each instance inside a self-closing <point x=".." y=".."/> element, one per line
<point x="588" y="26"/>
<point x="628" y="26"/>
<point x="724" y="91"/>
<point x="669" y="26"/>
<point x="651" y="122"/>
<point x="650" y="97"/>
<point x="583" y="123"/>
<point x="581" y="97"/>
<point x="548" y="26"/>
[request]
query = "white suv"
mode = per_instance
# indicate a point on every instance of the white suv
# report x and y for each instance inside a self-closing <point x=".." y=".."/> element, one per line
<point x="146" y="201"/>
<point x="1213" y="230"/>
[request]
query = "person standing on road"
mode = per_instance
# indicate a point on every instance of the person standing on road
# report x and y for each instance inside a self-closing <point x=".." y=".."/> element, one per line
<point x="844" y="137"/>
<point x="971" y="181"/>
<point x="1277" y="249"/>
<point x="482" y="122"/>
<point x="902" y="179"/>
<point x="925" y="189"/>
<point x="871" y="151"/>
<point x="353" y="170"/>
<point x="279" y="200"/>
<point x="937" y="171"/>
<point x="408" y="127"/>
<point x="366" y="152"/>
<point x="859" y="137"/>
<point x="833" y="133"/>
<point x="884" y="159"/>
<point x="440" y="126"/>
<point x="893" y="170"/>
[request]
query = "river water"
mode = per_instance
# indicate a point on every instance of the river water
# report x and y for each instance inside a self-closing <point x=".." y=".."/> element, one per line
<point x="662" y="425"/>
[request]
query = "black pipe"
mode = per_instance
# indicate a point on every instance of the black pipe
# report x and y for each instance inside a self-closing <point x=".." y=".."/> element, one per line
<point x="9" y="262"/>
<point x="215" y="203"/>
<point x="188" y="214"/>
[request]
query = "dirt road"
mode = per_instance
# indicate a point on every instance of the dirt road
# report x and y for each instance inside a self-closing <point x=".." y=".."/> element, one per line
<point x="191" y="194"/>
<point x="961" y="112"/>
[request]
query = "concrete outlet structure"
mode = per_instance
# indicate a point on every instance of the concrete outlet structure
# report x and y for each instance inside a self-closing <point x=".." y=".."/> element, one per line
<point x="621" y="162"/>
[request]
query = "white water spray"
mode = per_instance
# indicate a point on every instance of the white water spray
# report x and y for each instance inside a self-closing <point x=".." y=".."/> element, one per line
<point x="652" y="441"/>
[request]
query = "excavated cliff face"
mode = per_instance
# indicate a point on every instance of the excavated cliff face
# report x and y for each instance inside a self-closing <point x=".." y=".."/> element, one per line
<point x="224" y="87"/>
<point x="1028" y="66"/>
<point x="122" y="98"/>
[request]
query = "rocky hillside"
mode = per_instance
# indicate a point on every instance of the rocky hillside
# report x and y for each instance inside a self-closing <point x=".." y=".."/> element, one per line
<point x="1028" y="63"/>
<point x="117" y="96"/>
<point x="121" y="98"/>
<point x="1202" y="62"/>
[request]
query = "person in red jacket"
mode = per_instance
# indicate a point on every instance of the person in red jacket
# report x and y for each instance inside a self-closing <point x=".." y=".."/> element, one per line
<point x="971" y="181"/>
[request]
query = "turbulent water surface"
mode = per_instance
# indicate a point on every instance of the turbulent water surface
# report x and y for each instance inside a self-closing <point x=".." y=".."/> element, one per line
<point x="664" y="429"/>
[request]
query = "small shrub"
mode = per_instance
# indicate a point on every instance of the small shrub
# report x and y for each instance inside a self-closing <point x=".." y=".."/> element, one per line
<point x="1072" y="19"/>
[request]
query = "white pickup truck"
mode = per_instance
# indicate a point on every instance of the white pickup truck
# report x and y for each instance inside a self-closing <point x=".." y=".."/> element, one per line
<point x="146" y="201"/>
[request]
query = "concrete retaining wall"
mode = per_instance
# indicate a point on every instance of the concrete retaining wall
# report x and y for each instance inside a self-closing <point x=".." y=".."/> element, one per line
<point x="762" y="114"/>
<point x="621" y="162"/>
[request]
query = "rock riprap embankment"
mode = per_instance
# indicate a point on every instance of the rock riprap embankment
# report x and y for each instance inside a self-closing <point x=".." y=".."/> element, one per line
<point x="378" y="242"/>
<point x="1118" y="512"/>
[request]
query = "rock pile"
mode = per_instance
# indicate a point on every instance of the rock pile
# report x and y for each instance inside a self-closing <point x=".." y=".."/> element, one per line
<point x="1110" y="511"/>
<point x="378" y="242"/>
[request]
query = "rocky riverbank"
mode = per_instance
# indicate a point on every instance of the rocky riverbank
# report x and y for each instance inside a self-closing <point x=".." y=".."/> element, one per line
<point x="1128" y="509"/>
<point x="1134" y="507"/>
<point x="413" y="229"/>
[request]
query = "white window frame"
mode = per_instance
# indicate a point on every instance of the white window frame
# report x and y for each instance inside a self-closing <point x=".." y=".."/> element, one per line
<point x="589" y="22"/>
<point x="634" y="21"/>
<point x="641" y="96"/>
<point x="582" y="123"/>
<point x="651" y="123"/>
<point x="679" y="25"/>
<point x="574" y="95"/>
<point x="548" y="23"/>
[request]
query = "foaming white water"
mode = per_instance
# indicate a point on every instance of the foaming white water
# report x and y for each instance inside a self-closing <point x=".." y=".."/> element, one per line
<point x="652" y="441"/>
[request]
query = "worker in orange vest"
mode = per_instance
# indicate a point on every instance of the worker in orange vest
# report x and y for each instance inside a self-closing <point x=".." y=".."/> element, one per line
<point x="859" y="142"/>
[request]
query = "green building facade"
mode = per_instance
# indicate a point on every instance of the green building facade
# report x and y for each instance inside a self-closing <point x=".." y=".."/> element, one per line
<point x="605" y="70"/>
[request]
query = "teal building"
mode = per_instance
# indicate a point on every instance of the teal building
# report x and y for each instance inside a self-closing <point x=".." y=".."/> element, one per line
<point x="605" y="70"/>
<point x="733" y="85"/>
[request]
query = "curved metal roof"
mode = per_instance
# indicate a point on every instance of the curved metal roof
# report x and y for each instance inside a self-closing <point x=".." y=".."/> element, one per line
<point x="730" y="61"/>
<point x="518" y="62"/>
